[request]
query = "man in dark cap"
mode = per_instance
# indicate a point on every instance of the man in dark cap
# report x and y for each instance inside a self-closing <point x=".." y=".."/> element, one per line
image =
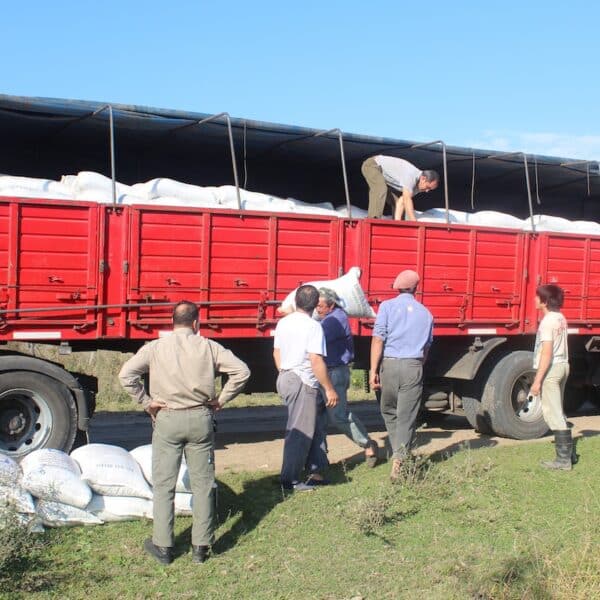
<point x="401" y="338"/>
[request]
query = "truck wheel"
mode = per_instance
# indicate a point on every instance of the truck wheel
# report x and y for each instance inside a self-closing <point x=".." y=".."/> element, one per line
<point x="505" y="401"/>
<point x="477" y="417"/>
<point x="36" y="411"/>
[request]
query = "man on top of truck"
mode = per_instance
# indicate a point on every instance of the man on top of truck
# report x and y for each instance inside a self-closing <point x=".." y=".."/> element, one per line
<point x="396" y="181"/>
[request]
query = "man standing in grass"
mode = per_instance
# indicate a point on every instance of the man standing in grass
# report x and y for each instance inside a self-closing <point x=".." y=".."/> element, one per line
<point x="182" y="399"/>
<point x="340" y="353"/>
<point x="551" y="362"/>
<point x="401" y="339"/>
<point x="299" y="347"/>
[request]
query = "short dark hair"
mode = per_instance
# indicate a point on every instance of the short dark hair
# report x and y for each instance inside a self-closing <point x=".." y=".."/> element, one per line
<point x="185" y="313"/>
<point x="551" y="295"/>
<point x="431" y="176"/>
<point x="307" y="298"/>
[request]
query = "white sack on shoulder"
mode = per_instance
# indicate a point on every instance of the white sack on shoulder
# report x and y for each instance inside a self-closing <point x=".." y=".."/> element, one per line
<point x="51" y="474"/>
<point x="119" y="508"/>
<point x="56" y="514"/>
<point x="143" y="457"/>
<point x="111" y="470"/>
<point x="348" y="289"/>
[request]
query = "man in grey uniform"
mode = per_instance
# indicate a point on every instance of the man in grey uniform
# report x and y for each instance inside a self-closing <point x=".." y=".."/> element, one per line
<point x="396" y="181"/>
<point x="401" y="338"/>
<point x="182" y="399"/>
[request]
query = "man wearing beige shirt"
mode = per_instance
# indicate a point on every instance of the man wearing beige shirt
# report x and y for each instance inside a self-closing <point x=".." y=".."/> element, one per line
<point x="182" y="369"/>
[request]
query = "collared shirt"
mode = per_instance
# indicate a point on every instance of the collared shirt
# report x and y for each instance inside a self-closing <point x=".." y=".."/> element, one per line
<point x="399" y="173"/>
<point x="405" y="326"/>
<point x="182" y="368"/>
<point x="296" y="336"/>
<point x="338" y="338"/>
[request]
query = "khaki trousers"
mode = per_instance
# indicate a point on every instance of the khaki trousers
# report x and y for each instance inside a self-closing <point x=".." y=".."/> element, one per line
<point x="379" y="192"/>
<point x="553" y="389"/>
<point x="178" y="432"/>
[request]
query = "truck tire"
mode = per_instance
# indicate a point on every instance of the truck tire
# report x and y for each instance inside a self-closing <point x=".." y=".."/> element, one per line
<point x="36" y="411"/>
<point x="477" y="417"/>
<point x="505" y="402"/>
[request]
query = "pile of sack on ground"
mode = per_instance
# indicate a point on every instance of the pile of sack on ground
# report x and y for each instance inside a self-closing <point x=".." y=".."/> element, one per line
<point x="95" y="484"/>
<point x="94" y="187"/>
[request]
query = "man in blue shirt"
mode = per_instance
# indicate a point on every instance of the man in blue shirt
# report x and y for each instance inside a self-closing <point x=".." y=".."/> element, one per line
<point x="401" y="339"/>
<point x="340" y="353"/>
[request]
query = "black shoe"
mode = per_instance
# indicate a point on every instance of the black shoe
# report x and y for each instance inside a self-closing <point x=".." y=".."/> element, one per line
<point x="163" y="555"/>
<point x="199" y="553"/>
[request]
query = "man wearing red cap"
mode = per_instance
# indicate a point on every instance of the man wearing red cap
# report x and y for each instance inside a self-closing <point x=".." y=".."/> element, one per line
<point x="401" y="338"/>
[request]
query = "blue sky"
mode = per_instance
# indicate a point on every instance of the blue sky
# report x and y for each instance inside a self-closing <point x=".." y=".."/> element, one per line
<point x="503" y="75"/>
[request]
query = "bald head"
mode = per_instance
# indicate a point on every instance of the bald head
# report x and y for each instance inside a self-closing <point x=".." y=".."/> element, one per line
<point x="184" y="314"/>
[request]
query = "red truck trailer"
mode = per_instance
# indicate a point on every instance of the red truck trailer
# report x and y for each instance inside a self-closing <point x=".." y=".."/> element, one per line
<point x="89" y="275"/>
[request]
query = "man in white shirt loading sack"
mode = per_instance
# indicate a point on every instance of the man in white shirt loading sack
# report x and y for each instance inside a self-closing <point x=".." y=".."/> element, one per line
<point x="395" y="181"/>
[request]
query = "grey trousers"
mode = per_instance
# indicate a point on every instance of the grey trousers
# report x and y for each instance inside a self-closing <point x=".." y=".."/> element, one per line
<point x="178" y="432"/>
<point x="301" y="403"/>
<point x="401" y="391"/>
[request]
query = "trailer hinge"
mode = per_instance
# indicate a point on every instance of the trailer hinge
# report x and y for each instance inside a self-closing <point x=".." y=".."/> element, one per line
<point x="125" y="266"/>
<point x="103" y="266"/>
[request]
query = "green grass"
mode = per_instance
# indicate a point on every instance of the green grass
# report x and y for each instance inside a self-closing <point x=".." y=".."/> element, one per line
<point x="488" y="524"/>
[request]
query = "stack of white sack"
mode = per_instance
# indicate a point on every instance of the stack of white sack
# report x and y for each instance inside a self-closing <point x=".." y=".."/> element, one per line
<point x="94" y="187"/>
<point x="14" y="499"/>
<point x="348" y="289"/>
<point x="54" y="479"/>
<point x="120" y="490"/>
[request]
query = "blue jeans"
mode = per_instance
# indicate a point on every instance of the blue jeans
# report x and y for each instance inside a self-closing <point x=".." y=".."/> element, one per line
<point x="339" y="416"/>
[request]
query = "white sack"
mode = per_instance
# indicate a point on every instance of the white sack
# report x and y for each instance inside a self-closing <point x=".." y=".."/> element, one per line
<point x="56" y="514"/>
<point x="547" y="223"/>
<point x="111" y="470"/>
<point x="492" y="218"/>
<point x="21" y="500"/>
<point x="53" y="475"/>
<point x="119" y="508"/>
<point x="33" y="184"/>
<point x="184" y="504"/>
<point x="357" y="213"/>
<point x="347" y="288"/>
<point x="21" y="192"/>
<point x="90" y="180"/>
<point x="9" y="470"/>
<point x="162" y="186"/>
<point x="585" y="227"/>
<point x="143" y="457"/>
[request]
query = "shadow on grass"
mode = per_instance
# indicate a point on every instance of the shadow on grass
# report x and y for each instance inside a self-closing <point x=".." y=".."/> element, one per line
<point x="258" y="498"/>
<point x="518" y="576"/>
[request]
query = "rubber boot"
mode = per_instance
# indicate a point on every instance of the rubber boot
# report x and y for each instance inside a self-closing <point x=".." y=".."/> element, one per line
<point x="564" y="450"/>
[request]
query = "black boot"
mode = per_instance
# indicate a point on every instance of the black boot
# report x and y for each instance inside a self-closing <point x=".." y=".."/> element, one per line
<point x="199" y="553"/>
<point x="564" y="451"/>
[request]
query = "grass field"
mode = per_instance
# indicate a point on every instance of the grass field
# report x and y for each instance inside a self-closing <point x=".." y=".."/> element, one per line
<point x="487" y="524"/>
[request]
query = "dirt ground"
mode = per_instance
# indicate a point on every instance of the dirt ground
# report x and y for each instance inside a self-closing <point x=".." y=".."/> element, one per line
<point x="446" y="434"/>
